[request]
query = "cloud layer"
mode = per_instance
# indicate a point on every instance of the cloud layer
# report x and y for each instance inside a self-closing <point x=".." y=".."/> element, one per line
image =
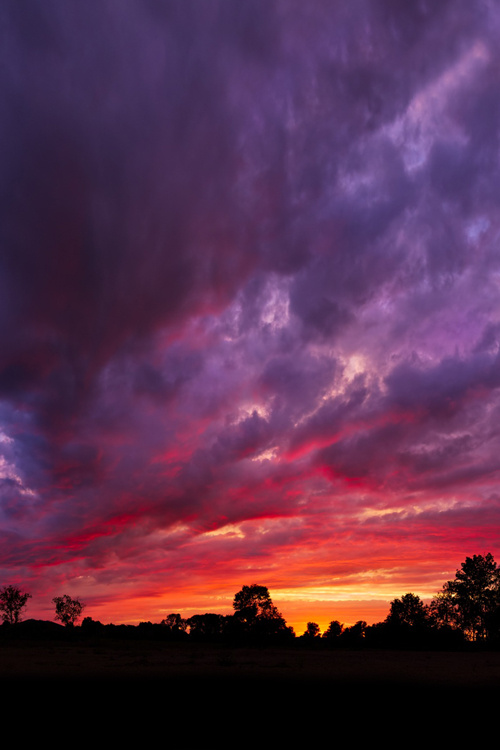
<point x="250" y="310"/>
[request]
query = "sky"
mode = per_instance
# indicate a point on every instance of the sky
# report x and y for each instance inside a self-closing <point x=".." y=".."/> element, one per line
<point x="249" y="302"/>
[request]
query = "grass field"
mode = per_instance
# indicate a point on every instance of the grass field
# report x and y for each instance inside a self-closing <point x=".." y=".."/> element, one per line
<point x="129" y="660"/>
<point x="195" y="693"/>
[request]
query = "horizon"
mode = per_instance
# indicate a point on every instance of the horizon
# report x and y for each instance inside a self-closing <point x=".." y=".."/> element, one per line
<point x="348" y="612"/>
<point x="250" y="308"/>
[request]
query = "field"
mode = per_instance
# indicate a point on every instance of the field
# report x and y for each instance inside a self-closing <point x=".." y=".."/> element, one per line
<point x="197" y="663"/>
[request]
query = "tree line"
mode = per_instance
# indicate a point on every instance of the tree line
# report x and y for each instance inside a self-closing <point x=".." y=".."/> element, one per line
<point x="466" y="610"/>
<point x="13" y="601"/>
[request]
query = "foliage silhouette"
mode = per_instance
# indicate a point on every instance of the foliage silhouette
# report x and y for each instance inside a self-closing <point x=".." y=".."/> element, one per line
<point x="253" y="601"/>
<point x="207" y="627"/>
<point x="12" y="602"/>
<point x="312" y="631"/>
<point x="174" y="622"/>
<point x="355" y="634"/>
<point x="471" y="601"/>
<point x="68" y="610"/>
<point x="408" y="623"/>
<point x="464" y="614"/>
<point x="92" y="627"/>
<point x="334" y="630"/>
<point x="408" y="612"/>
<point x="256" y="616"/>
<point x="175" y="626"/>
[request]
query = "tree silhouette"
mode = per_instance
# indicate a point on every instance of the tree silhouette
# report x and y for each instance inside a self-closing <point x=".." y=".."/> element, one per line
<point x="312" y="631"/>
<point x="256" y="614"/>
<point x="68" y="610"/>
<point x="355" y="634"/>
<point x="92" y="627"/>
<point x="175" y="624"/>
<point x="210" y="626"/>
<point x="253" y="601"/>
<point x="443" y="611"/>
<point x="408" y="612"/>
<point x="334" y="630"/>
<point x="471" y="601"/>
<point x="12" y="602"/>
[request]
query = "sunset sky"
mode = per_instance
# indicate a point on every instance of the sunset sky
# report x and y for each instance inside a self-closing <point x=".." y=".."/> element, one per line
<point x="250" y="302"/>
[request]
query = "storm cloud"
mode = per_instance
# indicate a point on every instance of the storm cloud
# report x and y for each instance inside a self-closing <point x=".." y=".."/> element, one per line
<point x="249" y="295"/>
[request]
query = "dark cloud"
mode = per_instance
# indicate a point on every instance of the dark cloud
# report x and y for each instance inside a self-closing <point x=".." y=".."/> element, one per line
<point x="248" y="437"/>
<point x="443" y="387"/>
<point x="248" y="288"/>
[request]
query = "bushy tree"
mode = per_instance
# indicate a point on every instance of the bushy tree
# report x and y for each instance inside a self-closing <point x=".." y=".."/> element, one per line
<point x="68" y="610"/>
<point x="408" y="612"/>
<point x="443" y="611"/>
<point x="92" y="627"/>
<point x="175" y="624"/>
<point x="471" y="601"/>
<point x="253" y="601"/>
<point x="12" y="602"/>
<point x="210" y="626"/>
<point x="354" y="634"/>
<point x="256" y="614"/>
<point x="312" y="631"/>
<point x="334" y="630"/>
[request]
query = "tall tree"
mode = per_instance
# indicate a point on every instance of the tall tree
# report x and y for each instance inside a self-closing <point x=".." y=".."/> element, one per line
<point x="471" y="600"/>
<point x="253" y="601"/>
<point x="12" y="602"/>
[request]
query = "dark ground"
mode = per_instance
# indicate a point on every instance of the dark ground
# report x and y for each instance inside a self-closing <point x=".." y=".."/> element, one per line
<point x="143" y="660"/>
<point x="201" y="691"/>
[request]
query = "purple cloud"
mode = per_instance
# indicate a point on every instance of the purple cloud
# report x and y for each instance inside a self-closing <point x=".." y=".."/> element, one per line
<point x="248" y="294"/>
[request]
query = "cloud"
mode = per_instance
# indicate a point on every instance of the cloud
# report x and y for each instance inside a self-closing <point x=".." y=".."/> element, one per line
<point x="248" y="289"/>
